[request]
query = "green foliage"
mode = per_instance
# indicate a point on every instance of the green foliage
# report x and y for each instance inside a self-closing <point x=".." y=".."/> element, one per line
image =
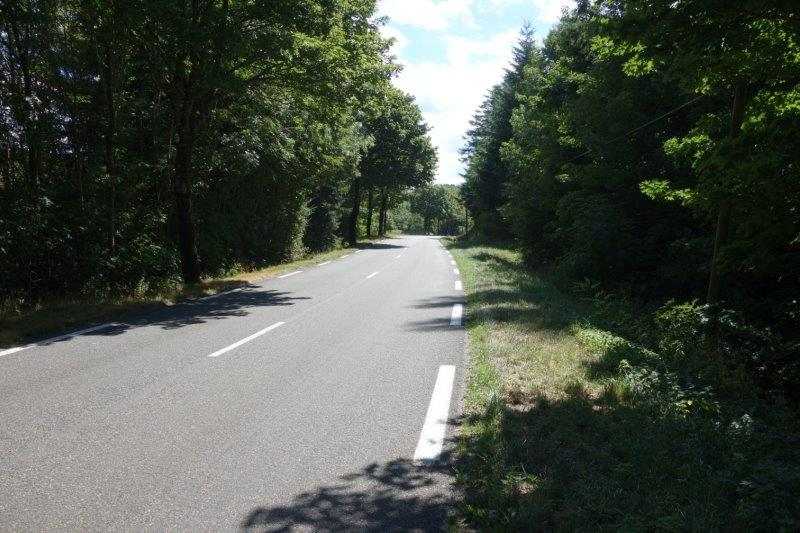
<point x="397" y="155"/>
<point x="435" y="209"/>
<point x="487" y="173"/>
<point x="581" y="413"/>
<point x="619" y="149"/>
<point x="404" y="219"/>
<point x="228" y="141"/>
<point x="620" y="159"/>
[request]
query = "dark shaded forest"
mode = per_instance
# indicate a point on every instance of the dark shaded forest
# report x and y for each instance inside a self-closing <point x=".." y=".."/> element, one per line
<point x="147" y="142"/>
<point x="651" y="150"/>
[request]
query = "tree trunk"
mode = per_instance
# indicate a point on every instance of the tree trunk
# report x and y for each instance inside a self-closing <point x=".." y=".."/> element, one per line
<point x="110" y="162"/>
<point x="182" y="191"/>
<point x="726" y="205"/>
<point x="29" y="124"/>
<point x="384" y="202"/>
<point x="723" y="228"/>
<point x="369" y="211"/>
<point x="383" y="212"/>
<point x="355" y="193"/>
<point x="723" y="222"/>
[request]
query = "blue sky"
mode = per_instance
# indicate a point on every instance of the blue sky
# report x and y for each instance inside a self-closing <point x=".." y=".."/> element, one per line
<point x="452" y="52"/>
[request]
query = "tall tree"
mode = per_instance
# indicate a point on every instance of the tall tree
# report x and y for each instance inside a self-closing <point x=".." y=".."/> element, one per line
<point x="732" y="52"/>
<point x="400" y="156"/>
<point x="227" y="141"/>
<point x="487" y="174"/>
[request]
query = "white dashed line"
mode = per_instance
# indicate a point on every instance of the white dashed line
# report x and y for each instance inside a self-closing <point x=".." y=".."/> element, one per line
<point x="397" y="256"/>
<point x="458" y="286"/>
<point x="372" y="275"/>
<point x="431" y="439"/>
<point x="453" y="262"/>
<point x="64" y="337"/>
<point x="246" y="339"/>
<point x="289" y="274"/>
<point x="456" y="314"/>
<point x="455" y="271"/>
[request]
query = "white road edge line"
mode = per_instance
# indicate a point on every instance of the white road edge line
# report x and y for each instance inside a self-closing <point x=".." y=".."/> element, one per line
<point x="66" y="336"/>
<point x="246" y="339"/>
<point x="456" y="314"/>
<point x="358" y="251"/>
<point x="324" y="263"/>
<point x="289" y="274"/>
<point x="371" y="275"/>
<point x="455" y="271"/>
<point x="345" y="255"/>
<point x="397" y="256"/>
<point x="453" y="262"/>
<point x="458" y="286"/>
<point x="431" y="439"/>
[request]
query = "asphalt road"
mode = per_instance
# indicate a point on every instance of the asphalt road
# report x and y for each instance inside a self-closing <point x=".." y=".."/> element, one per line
<point x="324" y="406"/>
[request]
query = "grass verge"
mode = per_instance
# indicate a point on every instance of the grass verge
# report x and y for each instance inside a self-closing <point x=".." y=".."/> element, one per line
<point x="569" y="424"/>
<point x="58" y="316"/>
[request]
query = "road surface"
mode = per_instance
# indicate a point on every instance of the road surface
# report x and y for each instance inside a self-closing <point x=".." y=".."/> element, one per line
<point x="315" y="400"/>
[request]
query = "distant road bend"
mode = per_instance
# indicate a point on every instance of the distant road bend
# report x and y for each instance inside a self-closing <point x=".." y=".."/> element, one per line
<point x="322" y="399"/>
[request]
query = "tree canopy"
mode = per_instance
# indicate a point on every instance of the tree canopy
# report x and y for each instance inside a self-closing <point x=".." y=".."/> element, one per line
<point x="149" y="140"/>
<point x="652" y="147"/>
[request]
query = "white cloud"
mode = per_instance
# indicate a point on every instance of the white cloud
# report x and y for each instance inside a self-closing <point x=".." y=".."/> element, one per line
<point x="400" y="40"/>
<point x="544" y="11"/>
<point x="428" y="14"/>
<point x="449" y="91"/>
<point x="549" y="11"/>
<point x="450" y="86"/>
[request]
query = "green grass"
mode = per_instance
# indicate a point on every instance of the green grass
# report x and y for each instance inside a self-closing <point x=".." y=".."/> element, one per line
<point x="51" y="317"/>
<point x="570" y="425"/>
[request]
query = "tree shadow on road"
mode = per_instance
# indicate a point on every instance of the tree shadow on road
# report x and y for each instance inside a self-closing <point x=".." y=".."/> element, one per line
<point x="399" y="495"/>
<point x="240" y="302"/>
<point x="379" y="246"/>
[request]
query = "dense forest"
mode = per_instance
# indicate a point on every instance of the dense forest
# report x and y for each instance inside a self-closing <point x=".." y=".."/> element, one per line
<point x="634" y="186"/>
<point x="152" y="141"/>
<point x="652" y="149"/>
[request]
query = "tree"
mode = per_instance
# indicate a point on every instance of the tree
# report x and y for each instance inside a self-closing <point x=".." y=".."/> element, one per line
<point x="400" y="156"/>
<point x="228" y="142"/>
<point x="644" y="135"/>
<point x="735" y="52"/>
<point x="487" y="173"/>
<point x="440" y="209"/>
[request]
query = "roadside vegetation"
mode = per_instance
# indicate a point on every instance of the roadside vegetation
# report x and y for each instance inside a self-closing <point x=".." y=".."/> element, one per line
<point x="653" y="149"/>
<point x="56" y="316"/>
<point x="585" y="410"/>
<point x="636" y="349"/>
<point x="148" y="146"/>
